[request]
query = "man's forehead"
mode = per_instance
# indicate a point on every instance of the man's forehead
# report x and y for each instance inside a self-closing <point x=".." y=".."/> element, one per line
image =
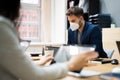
<point x="72" y="17"/>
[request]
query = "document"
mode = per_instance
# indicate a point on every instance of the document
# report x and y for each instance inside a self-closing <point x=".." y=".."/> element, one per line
<point x="84" y="73"/>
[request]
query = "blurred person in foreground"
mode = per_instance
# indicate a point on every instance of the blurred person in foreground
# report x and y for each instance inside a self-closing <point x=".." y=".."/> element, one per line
<point x="15" y="64"/>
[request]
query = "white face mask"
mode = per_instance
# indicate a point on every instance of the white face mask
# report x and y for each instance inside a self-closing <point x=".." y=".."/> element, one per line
<point x="74" y="26"/>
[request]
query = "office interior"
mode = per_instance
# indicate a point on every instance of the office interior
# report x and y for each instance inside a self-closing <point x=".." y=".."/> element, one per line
<point x="44" y="23"/>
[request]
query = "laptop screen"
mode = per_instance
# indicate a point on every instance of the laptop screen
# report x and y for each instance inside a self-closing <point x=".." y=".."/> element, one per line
<point x="66" y="52"/>
<point x="118" y="45"/>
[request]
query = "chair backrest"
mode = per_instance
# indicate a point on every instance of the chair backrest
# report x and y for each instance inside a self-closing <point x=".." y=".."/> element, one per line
<point x="109" y="52"/>
<point x="109" y="37"/>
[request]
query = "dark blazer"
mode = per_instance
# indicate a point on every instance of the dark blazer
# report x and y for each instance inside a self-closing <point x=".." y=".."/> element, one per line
<point x="90" y="35"/>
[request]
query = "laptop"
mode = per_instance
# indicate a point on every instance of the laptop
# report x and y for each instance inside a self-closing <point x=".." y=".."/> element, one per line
<point x="65" y="53"/>
<point x="118" y="45"/>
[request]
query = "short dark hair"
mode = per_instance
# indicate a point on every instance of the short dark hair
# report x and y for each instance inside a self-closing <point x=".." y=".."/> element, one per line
<point x="75" y="10"/>
<point x="10" y="9"/>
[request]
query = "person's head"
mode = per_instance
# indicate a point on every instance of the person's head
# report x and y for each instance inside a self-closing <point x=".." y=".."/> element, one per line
<point x="75" y="17"/>
<point x="10" y="9"/>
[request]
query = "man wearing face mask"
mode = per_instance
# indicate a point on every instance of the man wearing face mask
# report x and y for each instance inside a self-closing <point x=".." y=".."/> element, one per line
<point x="82" y="32"/>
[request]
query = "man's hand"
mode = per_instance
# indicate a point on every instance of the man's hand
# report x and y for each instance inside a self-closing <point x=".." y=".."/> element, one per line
<point x="44" y="59"/>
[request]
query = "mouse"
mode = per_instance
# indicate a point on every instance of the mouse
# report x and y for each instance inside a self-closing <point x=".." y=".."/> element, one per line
<point x="116" y="70"/>
<point x="114" y="62"/>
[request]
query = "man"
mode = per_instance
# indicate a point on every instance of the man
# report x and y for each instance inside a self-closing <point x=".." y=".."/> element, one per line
<point x="82" y="32"/>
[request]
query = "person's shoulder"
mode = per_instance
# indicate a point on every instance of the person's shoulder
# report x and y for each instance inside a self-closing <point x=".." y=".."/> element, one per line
<point x="89" y="26"/>
<point x="4" y="20"/>
<point x="6" y="25"/>
<point x="92" y="26"/>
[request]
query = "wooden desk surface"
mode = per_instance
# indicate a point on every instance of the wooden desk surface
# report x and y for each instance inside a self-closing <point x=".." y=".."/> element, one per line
<point x="75" y="78"/>
<point x="103" y="68"/>
<point x="98" y="67"/>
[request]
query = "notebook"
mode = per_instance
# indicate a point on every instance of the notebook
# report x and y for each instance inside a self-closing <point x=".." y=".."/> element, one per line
<point x="118" y="45"/>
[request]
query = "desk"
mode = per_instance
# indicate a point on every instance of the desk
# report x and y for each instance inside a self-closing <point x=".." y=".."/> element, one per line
<point x="74" y="78"/>
<point x="110" y="36"/>
<point x="99" y="67"/>
<point x="103" y="68"/>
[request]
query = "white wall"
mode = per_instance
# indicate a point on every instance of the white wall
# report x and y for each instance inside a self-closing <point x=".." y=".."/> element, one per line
<point x="46" y="21"/>
<point x="112" y="7"/>
<point x="53" y="21"/>
<point x="58" y="21"/>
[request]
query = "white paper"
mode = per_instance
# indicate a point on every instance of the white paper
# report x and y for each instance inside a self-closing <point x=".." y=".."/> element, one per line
<point x="84" y="73"/>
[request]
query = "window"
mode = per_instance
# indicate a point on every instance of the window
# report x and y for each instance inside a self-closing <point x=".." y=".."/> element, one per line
<point x="43" y="21"/>
<point x="30" y="1"/>
<point x="29" y="28"/>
